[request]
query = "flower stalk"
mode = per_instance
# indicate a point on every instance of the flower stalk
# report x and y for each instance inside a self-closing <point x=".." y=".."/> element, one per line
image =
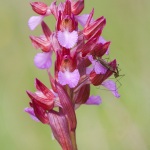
<point x="79" y="63"/>
<point x="73" y="139"/>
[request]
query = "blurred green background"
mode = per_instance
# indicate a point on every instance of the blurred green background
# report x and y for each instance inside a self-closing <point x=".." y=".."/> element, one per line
<point x="117" y="124"/>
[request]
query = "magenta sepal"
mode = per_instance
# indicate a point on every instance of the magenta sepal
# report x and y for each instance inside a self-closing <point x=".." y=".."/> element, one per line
<point x="59" y="125"/>
<point x="92" y="28"/>
<point x="43" y="102"/>
<point x="41" y="42"/>
<point x="68" y="107"/>
<point x="40" y="113"/>
<point x="83" y="94"/>
<point x="77" y="6"/>
<point x="67" y="9"/>
<point x="46" y="30"/>
<point x="39" y="7"/>
<point x="41" y="87"/>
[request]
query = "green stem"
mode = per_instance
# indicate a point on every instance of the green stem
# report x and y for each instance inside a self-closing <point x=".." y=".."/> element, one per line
<point x="73" y="139"/>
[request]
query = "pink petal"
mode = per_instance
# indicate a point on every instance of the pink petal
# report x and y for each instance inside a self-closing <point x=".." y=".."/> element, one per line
<point x="111" y="85"/>
<point x="103" y="41"/>
<point x="67" y="39"/>
<point x="43" y="60"/>
<point x="88" y="70"/>
<point x="98" y="67"/>
<point x="34" y="21"/>
<point x="90" y="57"/>
<point x="94" y="100"/>
<point x="70" y="78"/>
<point x="30" y="111"/>
<point x="82" y="19"/>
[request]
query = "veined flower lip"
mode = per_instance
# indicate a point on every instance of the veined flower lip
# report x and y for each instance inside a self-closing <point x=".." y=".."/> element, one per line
<point x="70" y="78"/>
<point x="67" y="39"/>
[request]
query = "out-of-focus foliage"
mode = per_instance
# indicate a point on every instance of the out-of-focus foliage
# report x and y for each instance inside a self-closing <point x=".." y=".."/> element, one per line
<point x="118" y="124"/>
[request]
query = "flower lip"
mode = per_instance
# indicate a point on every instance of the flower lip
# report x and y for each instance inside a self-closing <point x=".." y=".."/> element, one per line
<point x="67" y="39"/>
<point x="70" y="78"/>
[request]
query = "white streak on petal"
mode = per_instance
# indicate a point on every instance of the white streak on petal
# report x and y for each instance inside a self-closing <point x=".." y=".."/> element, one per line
<point x="111" y="85"/>
<point x="94" y="100"/>
<point x="34" y="21"/>
<point x="70" y="78"/>
<point x="67" y="39"/>
<point x="43" y="60"/>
